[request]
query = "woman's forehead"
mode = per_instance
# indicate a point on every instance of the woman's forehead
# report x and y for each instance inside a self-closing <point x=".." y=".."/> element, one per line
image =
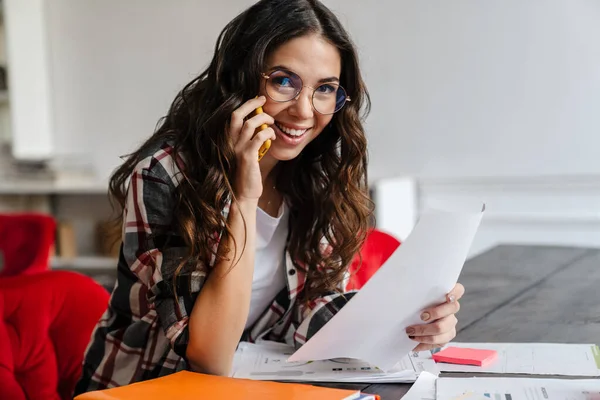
<point x="311" y="57"/>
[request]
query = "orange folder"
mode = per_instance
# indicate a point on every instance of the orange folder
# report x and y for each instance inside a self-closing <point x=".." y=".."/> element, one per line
<point x="187" y="385"/>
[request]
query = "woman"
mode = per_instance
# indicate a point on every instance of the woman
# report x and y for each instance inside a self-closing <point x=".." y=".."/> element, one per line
<point x="219" y="247"/>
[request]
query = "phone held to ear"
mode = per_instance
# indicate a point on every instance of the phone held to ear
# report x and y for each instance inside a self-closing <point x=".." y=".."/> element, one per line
<point x="267" y="144"/>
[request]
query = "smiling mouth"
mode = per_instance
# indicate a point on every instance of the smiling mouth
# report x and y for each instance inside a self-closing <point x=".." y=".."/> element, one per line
<point x="295" y="133"/>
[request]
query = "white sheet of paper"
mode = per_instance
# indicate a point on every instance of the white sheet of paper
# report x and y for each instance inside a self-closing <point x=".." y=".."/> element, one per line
<point x="516" y="389"/>
<point x="267" y="361"/>
<point x="371" y="327"/>
<point x="423" y="388"/>
<point x="535" y="359"/>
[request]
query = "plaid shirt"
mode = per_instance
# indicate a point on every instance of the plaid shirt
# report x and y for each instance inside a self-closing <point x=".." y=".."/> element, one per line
<point x="144" y="332"/>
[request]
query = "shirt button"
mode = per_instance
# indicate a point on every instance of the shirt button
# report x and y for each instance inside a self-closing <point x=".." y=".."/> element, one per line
<point x="292" y="272"/>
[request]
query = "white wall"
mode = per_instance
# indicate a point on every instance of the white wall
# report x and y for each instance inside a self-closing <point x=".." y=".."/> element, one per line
<point x="397" y="206"/>
<point x="29" y="80"/>
<point x="117" y="65"/>
<point x="481" y="88"/>
<point x="5" y="127"/>
<point x="526" y="210"/>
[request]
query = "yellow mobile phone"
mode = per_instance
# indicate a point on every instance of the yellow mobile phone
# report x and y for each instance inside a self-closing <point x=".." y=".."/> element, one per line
<point x="267" y="144"/>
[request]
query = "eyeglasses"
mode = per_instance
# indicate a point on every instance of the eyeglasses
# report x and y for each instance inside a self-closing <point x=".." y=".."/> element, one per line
<point x="282" y="86"/>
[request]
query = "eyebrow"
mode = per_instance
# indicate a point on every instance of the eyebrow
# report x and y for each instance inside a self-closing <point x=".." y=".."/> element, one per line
<point x="286" y="69"/>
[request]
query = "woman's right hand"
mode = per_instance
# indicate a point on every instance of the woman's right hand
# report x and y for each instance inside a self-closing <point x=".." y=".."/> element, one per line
<point x="248" y="179"/>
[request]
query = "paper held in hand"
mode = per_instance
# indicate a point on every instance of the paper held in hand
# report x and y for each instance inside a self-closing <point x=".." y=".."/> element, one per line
<point x="371" y="327"/>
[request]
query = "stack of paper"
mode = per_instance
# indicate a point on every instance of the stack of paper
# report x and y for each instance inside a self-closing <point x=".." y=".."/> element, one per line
<point x="516" y="389"/>
<point x="423" y="389"/>
<point x="582" y="360"/>
<point x="267" y="361"/>
<point x="535" y="359"/>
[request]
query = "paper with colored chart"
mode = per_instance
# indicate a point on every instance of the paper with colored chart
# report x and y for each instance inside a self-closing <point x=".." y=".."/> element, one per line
<point x="267" y="361"/>
<point x="372" y="326"/>
<point x="535" y="359"/>
<point x="517" y="389"/>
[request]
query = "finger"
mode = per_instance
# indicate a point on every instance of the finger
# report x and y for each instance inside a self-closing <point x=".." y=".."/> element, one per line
<point x="436" y="339"/>
<point x="239" y="115"/>
<point x="425" y="347"/>
<point x="438" y="327"/>
<point x="252" y="124"/>
<point x="456" y="293"/>
<point x="440" y="311"/>
<point x="260" y="138"/>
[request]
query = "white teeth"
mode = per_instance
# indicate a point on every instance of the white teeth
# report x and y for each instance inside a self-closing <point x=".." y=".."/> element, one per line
<point x="292" y="132"/>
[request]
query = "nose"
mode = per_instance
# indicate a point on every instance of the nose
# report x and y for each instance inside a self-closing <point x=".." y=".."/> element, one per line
<point x="302" y="105"/>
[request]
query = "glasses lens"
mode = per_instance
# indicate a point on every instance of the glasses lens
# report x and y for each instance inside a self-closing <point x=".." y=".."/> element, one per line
<point x="283" y="86"/>
<point x="329" y="98"/>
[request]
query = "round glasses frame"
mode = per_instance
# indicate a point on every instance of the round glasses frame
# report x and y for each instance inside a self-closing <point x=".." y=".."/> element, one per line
<point x="266" y="77"/>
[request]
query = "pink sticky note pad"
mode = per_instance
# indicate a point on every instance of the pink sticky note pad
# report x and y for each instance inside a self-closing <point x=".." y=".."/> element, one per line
<point x="465" y="356"/>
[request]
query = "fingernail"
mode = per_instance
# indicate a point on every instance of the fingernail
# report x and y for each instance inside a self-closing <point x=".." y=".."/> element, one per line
<point x="425" y="316"/>
<point x="410" y="331"/>
<point x="451" y="298"/>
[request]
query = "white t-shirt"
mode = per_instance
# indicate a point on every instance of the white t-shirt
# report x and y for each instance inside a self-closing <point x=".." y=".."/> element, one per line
<point x="269" y="261"/>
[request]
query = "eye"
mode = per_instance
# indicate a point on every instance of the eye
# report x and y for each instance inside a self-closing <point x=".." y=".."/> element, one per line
<point x="282" y="81"/>
<point x="326" y="89"/>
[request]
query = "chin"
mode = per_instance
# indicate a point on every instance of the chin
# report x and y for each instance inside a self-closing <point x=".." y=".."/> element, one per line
<point x="284" y="155"/>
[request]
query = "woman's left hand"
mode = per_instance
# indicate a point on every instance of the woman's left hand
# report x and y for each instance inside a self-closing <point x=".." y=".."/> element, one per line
<point x="440" y="326"/>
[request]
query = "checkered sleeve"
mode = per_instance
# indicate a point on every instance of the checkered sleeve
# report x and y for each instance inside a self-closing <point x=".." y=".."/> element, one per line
<point x="153" y="250"/>
<point x="315" y="314"/>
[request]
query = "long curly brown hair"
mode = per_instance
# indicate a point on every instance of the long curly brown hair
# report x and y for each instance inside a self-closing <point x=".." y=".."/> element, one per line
<point x="325" y="186"/>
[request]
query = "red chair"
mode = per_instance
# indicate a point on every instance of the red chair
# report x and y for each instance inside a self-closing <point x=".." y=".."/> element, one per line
<point x="46" y="323"/>
<point x="378" y="247"/>
<point x="26" y="242"/>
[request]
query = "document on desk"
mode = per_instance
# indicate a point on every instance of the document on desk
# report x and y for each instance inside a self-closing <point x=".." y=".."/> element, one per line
<point x="267" y="361"/>
<point x="371" y="327"/>
<point x="423" y="388"/>
<point x="516" y="389"/>
<point x="535" y="359"/>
